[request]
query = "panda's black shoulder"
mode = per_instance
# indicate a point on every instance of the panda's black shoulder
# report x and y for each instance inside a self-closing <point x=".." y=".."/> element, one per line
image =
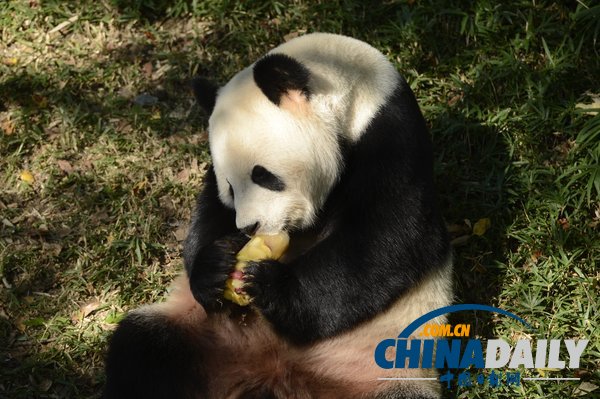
<point x="394" y="150"/>
<point x="388" y="185"/>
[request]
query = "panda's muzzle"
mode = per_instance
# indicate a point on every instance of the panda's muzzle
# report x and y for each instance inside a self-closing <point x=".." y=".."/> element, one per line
<point x="251" y="229"/>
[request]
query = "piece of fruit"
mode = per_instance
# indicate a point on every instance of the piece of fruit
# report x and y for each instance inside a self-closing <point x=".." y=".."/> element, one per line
<point x="27" y="177"/>
<point x="259" y="247"/>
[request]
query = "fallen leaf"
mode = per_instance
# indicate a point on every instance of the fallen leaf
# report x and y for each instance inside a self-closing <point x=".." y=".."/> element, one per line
<point x="7" y="126"/>
<point x="183" y="176"/>
<point x="535" y="256"/>
<point x="458" y="241"/>
<point x="147" y="68"/>
<point x="89" y="307"/>
<point x="455" y="98"/>
<point x="481" y="226"/>
<point x="65" y="166"/>
<point x="564" y="223"/>
<point x="585" y="388"/>
<point x="27" y="177"/>
<point x="180" y="233"/>
<point x="10" y="61"/>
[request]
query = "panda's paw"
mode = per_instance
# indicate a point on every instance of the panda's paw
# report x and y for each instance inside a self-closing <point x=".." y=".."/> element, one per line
<point x="267" y="282"/>
<point x="212" y="268"/>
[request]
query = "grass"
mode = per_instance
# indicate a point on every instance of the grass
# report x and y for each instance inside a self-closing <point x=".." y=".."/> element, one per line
<point x="96" y="229"/>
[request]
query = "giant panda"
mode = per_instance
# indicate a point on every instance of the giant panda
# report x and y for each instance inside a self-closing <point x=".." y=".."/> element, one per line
<point x="321" y="138"/>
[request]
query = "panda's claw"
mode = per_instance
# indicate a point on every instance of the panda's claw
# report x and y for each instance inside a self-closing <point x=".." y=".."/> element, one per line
<point x="266" y="283"/>
<point x="212" y="268"/>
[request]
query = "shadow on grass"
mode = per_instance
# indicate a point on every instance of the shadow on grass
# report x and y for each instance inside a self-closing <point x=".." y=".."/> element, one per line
<point x="39" y="377"/>
<point x="470" y="164"/>
<point x="470" y="173"/>
<point x="473" y="169"/>
<point x="78" y="211"/>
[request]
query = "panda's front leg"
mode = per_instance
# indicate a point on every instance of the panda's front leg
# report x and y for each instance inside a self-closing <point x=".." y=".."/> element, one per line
<point x="276" y="293"/>
<point x="266" y="282"/>
<point x="212" y="268"/>
<point x="325" y="291"/>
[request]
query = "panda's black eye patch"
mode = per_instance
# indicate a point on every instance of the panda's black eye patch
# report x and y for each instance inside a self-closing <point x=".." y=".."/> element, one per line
<point x="266" y="179"/>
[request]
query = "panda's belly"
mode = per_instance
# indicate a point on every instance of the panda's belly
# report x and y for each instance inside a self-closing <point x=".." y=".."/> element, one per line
<point x="350" y="356"/>
<point x="341" y="367"/>
<point x="243" y="354"/>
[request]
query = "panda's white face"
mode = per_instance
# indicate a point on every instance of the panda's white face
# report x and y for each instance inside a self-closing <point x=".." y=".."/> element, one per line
<point x="274" y="164"/>
<point x="276" y="127"/>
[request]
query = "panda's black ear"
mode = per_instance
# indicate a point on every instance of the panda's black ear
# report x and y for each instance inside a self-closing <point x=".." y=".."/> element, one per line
<point x="280" y="77"/>
<point x="205" y="92"/>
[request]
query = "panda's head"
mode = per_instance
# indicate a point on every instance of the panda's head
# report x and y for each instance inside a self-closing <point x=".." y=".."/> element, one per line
<point x="274" y="144"/>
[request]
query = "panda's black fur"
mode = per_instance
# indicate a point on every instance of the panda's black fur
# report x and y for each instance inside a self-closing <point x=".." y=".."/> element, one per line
<point x="378" y="235"/>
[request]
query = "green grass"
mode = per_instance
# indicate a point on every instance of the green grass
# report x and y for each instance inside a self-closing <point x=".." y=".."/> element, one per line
<point x="98" y="232"/>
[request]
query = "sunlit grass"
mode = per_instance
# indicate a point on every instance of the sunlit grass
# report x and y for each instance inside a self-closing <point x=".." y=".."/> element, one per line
<point x="506" y="89"/>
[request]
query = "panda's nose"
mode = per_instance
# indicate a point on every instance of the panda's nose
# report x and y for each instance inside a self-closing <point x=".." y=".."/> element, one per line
<point x="250" y="229"/>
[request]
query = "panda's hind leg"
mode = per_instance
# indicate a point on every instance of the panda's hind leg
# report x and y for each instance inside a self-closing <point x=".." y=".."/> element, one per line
<point x="156" y="351"/>
<point x="174" y="350"/>
<point x="152" y="357"/>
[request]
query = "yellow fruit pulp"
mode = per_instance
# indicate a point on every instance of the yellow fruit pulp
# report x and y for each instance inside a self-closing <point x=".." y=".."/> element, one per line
<point x="259" y="247"/>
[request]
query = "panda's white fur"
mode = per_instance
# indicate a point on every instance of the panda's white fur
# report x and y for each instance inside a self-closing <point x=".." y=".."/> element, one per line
<point x="349" y="81"/>
<point x="250" y="355"/>
<point x="365" y="259"/>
